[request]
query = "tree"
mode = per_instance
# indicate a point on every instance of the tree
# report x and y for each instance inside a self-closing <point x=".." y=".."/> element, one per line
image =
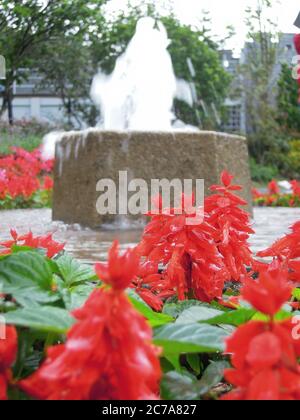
<point x="30" y="28"/>
<point x="287" y="101"/>
<point x="258" y="82"/>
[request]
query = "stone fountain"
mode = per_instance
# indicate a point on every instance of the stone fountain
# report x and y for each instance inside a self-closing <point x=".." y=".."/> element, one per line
<point x="138" y="135"/>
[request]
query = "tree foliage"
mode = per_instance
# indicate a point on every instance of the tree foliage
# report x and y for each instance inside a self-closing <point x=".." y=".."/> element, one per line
<point x="31" y="28"/>
<point x="287" y="100"/>
<point x="258" y="82"/>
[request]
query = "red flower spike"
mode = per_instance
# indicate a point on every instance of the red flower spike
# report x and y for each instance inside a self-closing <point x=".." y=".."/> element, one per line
<point x="108" y="354"/>
<point x="265" y="386"/>
<point x="269" y="293"/>
<point x="226" y="178"/>
<point x="120" y="270"/>
<point x="52" y="247"/>
<point x="273" y="188"/>
<point x="14" y="234"/>
<point x="151" y="299"/>
<point x="264" y="351"/>
<point x="265" y="355"/>
<point x="8" y="354"/>
<point x="191" y="263"/>
<point x="287" y="252"/>
<point x="232" y="227"/>
<point x="197" y="260"/>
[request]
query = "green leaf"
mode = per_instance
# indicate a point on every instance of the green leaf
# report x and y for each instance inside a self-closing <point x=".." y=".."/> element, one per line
<point x="212" y="376"/>
<point x="235" y="318"/>
<point x="43" y="318"/>
<point x="28" y="278"/>
<point x="184" y="386"/>
<point x="194" y="362"/>
<point x="179" y="386"/>
<point x="197" y="314"/>
<point x="296" y="294"/>
<point x="174" y="359"/>
<point x="280" y="316"/>
<point x="190" y="338"/>
<point x="77" y="296"/>
<point x="175" y="309"/>
<point x="73" y="272"/>
<point x="20" y="248"/>
<point x="155" y="319"/>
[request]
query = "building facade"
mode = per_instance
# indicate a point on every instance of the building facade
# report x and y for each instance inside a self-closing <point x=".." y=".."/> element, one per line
<point x="236" y="108"/>
<point x="33" y="102"/>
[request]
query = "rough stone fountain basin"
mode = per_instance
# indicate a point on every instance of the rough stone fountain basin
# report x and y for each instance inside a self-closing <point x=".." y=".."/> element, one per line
<point x="84" y="158"/>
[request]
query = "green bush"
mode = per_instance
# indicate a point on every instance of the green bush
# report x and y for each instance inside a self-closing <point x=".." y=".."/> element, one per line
<point x="293" y="159"/>
<point x="29" y="143"/>
<point x="262" y="173"/>
<point x="25" y="134"/>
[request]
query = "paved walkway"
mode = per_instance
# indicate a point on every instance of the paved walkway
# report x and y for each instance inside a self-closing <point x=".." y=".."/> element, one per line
<point x="270" y="224"/>
<point x="90" y="246"/>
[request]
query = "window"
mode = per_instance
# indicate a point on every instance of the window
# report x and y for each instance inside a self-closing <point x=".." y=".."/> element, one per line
<point x="234" y="118"/>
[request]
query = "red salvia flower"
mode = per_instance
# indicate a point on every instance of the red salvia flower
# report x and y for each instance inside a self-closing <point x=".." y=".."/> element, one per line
<point x="265" y="366"/>
<point x="264" y="355"/>
<point x="8" y="353"/>
<point x="232" y="225"/>
<point x="269" y="293"/>
<point x="120" y="271"/>
<point x="24" y="173"/>
<point x="191" y="263"/>
<point x="295" y="185"/>
<point x="256" y="194"/>
<point x="44" y="242"/>
<point x="148" y="274"/>
<point x="273" y="188"/>
<point x="108" y="354"/>
<point x="48" y="183"/>
<point x="287" y="251"/>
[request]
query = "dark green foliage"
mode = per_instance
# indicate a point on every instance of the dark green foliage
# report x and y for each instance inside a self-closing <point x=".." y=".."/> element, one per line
<point x="287" y="101"/>
<point x="262" y="173"/>
<point x="31" y="28"/>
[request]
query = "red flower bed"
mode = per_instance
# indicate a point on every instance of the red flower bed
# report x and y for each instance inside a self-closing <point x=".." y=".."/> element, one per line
<point x="275" y="198"/>
<point x="25" y="180"/>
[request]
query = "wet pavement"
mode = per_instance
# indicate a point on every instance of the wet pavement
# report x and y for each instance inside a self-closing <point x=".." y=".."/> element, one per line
<point x="91" y="245"/>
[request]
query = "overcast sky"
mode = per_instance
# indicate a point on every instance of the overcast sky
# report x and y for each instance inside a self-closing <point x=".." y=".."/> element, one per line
<point x="226" y="12"/>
